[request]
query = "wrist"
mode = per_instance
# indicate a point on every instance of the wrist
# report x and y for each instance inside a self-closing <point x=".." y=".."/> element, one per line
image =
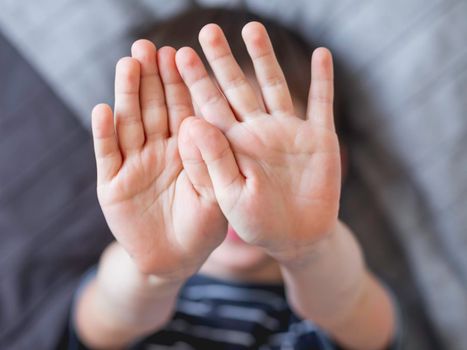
<point x="346" y="300"/>
<point x="333" y="268"/>
<point x="120" y="278"/>
<point x="300" y="255"/>
<point x="129" y="297"/>
<point x="121" y="304"/>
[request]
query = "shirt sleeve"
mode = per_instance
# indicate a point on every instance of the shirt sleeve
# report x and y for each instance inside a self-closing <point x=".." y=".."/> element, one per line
<point x="74" y="343"/>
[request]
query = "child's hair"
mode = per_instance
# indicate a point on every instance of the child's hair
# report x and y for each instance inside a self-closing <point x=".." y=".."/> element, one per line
<point x="292" y="51"/>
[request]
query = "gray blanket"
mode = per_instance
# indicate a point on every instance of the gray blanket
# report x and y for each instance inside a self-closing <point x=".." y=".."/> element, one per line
<point x="51" y="227"/>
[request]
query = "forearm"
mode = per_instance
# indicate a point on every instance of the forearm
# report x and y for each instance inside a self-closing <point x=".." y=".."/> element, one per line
<point x="120" y="304"/>
<point x="333" y="287"/>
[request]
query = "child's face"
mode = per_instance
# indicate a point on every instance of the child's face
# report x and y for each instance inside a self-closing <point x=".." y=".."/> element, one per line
<point x="237" y="260"/>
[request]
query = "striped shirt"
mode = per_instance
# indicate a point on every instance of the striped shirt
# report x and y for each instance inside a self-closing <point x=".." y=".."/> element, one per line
<point x="217" y="314"/>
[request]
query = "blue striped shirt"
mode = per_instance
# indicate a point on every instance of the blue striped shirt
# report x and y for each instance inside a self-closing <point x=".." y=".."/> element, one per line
<point x="217" y="314"/>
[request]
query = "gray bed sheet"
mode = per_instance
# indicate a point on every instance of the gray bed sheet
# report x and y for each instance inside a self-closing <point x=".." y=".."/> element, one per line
<point x="51" y="226"/>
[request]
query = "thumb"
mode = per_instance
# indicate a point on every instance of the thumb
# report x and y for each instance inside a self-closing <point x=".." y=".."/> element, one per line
<point x="208" y="159"/>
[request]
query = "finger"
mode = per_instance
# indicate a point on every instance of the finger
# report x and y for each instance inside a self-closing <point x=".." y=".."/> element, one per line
<point x="213" y="106"/>
<point x="214" y="150"/>
<point x="130" y="131"/>
<point x="321" y="96"/>
<point x="229" y="75"/>
<point x="270" y="77"/>
<point x="177" y="96"/>
<point x="193" y="163"/>
<point x="151" y="97"/>
<point x="107" y="152"/>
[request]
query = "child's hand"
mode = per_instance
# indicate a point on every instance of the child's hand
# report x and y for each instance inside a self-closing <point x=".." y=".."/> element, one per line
<point x="276" y="176"/>
<point x="167" y="224"/>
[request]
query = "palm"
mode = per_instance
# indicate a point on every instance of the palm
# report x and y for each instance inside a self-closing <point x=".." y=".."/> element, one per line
<point x="276" y="177"/>
<point x="151" y="206"/>
<point x="144" y="176"/>
<point x="151" y="192"/>
<point x="292" y="184"/>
